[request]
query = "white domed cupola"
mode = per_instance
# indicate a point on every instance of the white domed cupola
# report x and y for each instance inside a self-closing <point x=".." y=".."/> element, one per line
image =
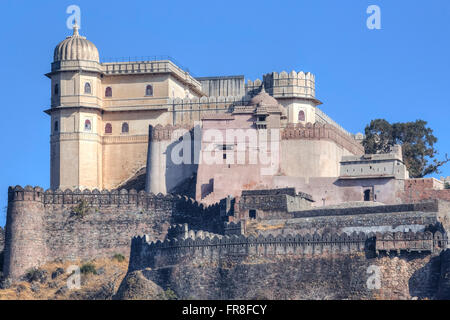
<point x="76" y="47"/>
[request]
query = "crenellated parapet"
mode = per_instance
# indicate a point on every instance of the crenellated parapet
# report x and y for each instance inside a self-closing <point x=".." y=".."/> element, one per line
<point x="411" y="241"/>
<point x="100" y="223"/>
<point x="234" y="228"/>
<point x="182" y="232"/>
<point x="173" y="251"/>
<point x="27" y="193"/>
<point x="166" y="133"/>
<point x="207" y="102"/>
<point x="285" y="85"/>
<point x="318" y="131"/>
<point x="106" y="198"/>
<point x="147" y="253"/>
<point x="190" y="110"/>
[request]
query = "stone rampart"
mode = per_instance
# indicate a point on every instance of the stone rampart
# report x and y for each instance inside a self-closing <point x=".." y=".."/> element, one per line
<point x="429" y="206"/>
<point x="160" y="254"/>
<point x="320" y="131"/>
<point x="54" y="224"/>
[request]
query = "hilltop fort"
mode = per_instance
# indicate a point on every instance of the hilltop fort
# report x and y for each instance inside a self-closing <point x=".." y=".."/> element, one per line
<point x="217" y="187"/>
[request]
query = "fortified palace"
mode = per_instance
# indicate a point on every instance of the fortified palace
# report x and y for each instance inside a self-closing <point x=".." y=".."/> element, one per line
<point x="288" y="189"/>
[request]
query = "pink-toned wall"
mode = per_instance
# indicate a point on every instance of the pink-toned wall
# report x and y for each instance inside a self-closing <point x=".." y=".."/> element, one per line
<point x="237" y="172"/>
<point x="307" y="158"/>
<point x="424" y="189"/>
<point x="332" y="191"/>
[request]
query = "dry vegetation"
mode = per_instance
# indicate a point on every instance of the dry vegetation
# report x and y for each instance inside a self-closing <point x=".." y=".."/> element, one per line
<point x="255" y="226"/>
<point x="100" y="280"/>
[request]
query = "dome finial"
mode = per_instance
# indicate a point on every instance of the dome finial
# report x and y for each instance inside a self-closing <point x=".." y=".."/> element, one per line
<point x="75" y="28"/>
<point x="262" y="88"/>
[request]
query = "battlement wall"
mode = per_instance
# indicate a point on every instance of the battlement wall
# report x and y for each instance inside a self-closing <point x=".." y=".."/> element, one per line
<point x="169" y="252"/>
<point x="159" y="254"/>
<point x="182" y="232"/>
<point x="117" y="198"/>
<point x="70" y="225"/>
<point x="319" y="276"/>
<point x="323" y="118"/>
<point x="234" y="228"/>
<point x="430" y="206"/>
<point x="188" y="110"/>
<point x="318" y="131"/>
<point x="284" y="84"/>
<point x="398" y="218"/>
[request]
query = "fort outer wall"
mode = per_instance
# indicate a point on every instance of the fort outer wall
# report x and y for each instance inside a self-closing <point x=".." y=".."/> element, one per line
<point x="295" y="267"/>
<point x="71" y="225"/>
<point x="333" y="191"/>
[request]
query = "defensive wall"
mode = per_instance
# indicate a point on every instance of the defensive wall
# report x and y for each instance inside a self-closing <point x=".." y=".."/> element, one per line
<point x="419" y="217"/>
<point x="312" y="266"/>
<point x="54" y="224"/>
<point x="199" y="246"/>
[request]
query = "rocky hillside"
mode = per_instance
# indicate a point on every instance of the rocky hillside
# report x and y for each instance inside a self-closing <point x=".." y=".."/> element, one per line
<point x="325" y="277"/>
<point x="98" y="280"/>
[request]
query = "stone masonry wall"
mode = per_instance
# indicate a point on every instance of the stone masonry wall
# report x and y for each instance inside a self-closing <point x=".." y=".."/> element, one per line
<point x="43" y="226"/>
<point x="310" y="267"/>
<point x="319" y="131"/>
<point x="433" y="215"/>
<point x="423" y="189"/>
<point x="323" y="277"/>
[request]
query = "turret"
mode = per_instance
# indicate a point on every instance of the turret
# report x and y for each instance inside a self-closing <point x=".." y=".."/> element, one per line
<point x="24" y="240"/>
<point x="295" y="91"/>
<point x="76" y="98"/>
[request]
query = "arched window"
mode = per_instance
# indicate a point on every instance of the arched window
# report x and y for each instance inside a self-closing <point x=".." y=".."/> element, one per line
<point x="301" y="115"/>
<point x="87" y="88"/>
<point x="125" y="127"/>
<point x="56" y="89"/>
<point x="87" y="125"/>
<point x="149" y="90"/>
<point x="108" y="92"/>
<point x="108" y="128"/>
<point x="56" y="126"/>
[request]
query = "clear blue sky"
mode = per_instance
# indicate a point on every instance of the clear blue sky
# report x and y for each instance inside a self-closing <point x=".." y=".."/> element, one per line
<point x="400" y="73"/>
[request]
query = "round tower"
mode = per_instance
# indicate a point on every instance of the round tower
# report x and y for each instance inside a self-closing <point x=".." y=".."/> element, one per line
<point x="296" y="91"/>
<point x="75" y="112"/>
<point x="24" y="240"/>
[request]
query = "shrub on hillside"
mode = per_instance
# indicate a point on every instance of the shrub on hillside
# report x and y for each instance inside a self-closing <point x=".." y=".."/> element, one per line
<point x="88" y="268"/>
<point x="36" y="274"/>
<point x="119" y="257"/>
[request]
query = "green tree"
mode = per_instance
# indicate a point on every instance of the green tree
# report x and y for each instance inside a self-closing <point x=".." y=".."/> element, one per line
<point x="416" y="139"/>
